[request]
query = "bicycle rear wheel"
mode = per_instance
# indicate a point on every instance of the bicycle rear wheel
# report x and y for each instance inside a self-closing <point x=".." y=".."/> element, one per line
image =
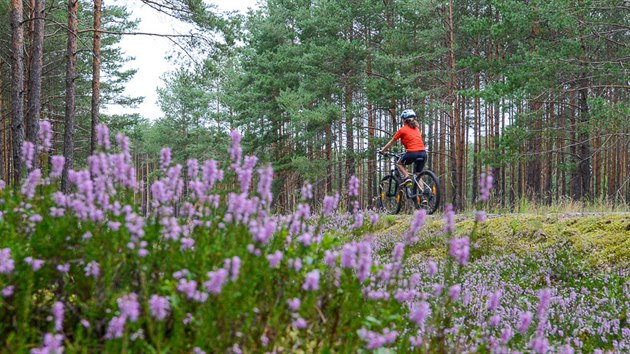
<point x="390" y="197"/>
<point x="427" y="191"/>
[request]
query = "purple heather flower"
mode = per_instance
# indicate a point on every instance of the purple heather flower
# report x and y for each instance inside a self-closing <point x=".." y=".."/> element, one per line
<point x="377" y="340"/>
<point x="235" y="268"/>
<point x="507" y="334"/>
<point x="53" y="344"/>
<point x="216" y="282"/>
<point x="31" y="182"/>
<point x="566" y="349"/>
<point x="485" y="185"/>
<point x="311" y="283"/>
<point x="188" y="319"/>
<point x="102" y="136"/>
<point x="45" y="135"/>
<point x="432" y="268"/>
<point x="493" y="300"/>
<point x="57" y="163"/>
<point x="116" y="327"/>
<point x="330" y="204"/>
<point x="85" y="323"/>
<point x="453" y="292"/>
<point x="92" y="269"/>
<point x="480" y="216"/>
<point x="459" y="249"/>
<point x="165" y="158"/>
<point x="525" y="319"/>
<point x="330" y="258"/>
<point x="6" y="263"/>
<point x="235" y="150"/>
<point x="159" y="306"/>
<point x="307" y="191"/>
<point x="28" y="154"/>
<point x="353" y="186"/>
<point x="193" y="168"/>
<point x="419" y="313"/>
<point x="274" y="259"/>
<point x="374" y="219"/>
<point x="264" y="183"/>
<point x="544" y="296"/>
<point x="495" y="320"/>
<point x="294" y="304"/>
<point x="197" y="350"/>
<point x="36" y="264"/>
<point x="8" y="291"/>
<point x="264" y="340"/>
<point x="540" y="345"/>
<point x="57" y="312"/>
<point x="358" y="220"/>
<point x="3" y="184"/>
<point x="299" y="323"/>
<point x="449" y="219"/>
<point x="129" y="306"/>
<point x="63" y="268"/>
<point x="349" y="255"/>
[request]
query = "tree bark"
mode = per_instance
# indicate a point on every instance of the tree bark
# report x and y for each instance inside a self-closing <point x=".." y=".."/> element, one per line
<point x="71" y="68"/>
<point x="96" y="72"/>
<point x="35" y="77"/>
<point x="17" y="87"/>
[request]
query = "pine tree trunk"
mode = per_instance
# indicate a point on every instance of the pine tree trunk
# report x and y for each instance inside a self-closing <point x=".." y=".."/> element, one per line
<point x="17" y="87"/>
<point x="35" y="76"/>
<point x="71" y="63"/>
<point x="96" y="72"/>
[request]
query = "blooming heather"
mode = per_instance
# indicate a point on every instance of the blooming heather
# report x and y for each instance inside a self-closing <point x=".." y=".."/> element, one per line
<point x="8" y="291"/>
<point x="235" y="149"/>
<point x="36" y="264"/>
<point x="159" y="306"/>
<point x="165" y="158"/>
<point x="299" y="323"/>
<point x="57" y="162"/>
<point x="28" y="154"/>
<point x="485" y="185"/>
<point x="6" y="262"/>
<point x="31" y="182"/>
<point x="274" y="259"/>
<point x="353" y="186"/>
<point x="311" y="283"/>
<point x="459" y="249"/>
<point x="53" y="344"/>
<point x="330" y="204"/>
<point x="544" y="296"/>
<point x="525" y="319"/>
<point x="307" y="191"/>
<point x="419" y="313"/>
<point x="264" y="183"/>
<point x="449" y="219"/>
<point x="116" y="327"/>
<point x="294" y="304"/>
<point x="92" y="269"/>
<point x="216" y="282"/>
<point x="57" y="312"/>
<point x="102" y="136"/>
<point x="45" y="135"/>
<point x="129" y="306"/>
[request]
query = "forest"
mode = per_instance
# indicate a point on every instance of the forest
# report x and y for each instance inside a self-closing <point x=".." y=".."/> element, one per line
<point x="536" y="90"/>
<point x="248" y="217"/>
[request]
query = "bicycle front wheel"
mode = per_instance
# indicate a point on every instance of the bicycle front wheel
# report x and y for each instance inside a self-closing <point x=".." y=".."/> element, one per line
<point x="427" y="192"/>
<point x="390" y="198"/>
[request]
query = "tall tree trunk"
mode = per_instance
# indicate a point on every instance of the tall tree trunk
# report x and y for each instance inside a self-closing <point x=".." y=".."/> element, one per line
<point x="71" y="68"/>
<point x="35" y="77"/>
<point x="455" y="129"/>
<point x="96" y="72"/>
<point x="17" y="87"/>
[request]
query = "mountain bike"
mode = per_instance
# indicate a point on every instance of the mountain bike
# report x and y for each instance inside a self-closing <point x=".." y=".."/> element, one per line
<point x="424" y="191"/>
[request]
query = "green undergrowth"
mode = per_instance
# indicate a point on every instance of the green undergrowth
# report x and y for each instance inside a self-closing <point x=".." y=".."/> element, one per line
<point x="602" y="240"/>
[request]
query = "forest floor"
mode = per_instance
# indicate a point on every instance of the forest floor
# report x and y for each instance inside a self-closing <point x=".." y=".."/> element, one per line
<point x="602" y="239"/>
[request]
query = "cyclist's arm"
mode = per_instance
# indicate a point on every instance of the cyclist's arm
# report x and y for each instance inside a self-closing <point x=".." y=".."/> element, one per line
<point x="388" y="145"/>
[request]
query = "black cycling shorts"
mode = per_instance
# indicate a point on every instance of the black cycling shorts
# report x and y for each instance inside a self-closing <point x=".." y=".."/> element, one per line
<point x="411" y="157"/>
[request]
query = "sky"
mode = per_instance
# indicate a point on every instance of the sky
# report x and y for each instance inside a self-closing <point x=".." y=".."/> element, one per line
<point x="150" y="52"/>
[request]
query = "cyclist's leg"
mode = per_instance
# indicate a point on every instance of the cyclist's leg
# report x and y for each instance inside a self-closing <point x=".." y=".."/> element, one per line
<point x="419" y="165"/>
<point x="406" y="159"/>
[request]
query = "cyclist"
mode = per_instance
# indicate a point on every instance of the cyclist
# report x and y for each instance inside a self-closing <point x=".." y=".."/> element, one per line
<point x="411" y="138"/>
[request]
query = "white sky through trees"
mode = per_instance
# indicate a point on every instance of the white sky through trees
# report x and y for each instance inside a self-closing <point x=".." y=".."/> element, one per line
<point x="150" y="52"/>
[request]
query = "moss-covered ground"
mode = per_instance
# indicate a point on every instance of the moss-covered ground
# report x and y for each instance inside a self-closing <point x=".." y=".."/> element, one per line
<point x="601" y="239"/>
